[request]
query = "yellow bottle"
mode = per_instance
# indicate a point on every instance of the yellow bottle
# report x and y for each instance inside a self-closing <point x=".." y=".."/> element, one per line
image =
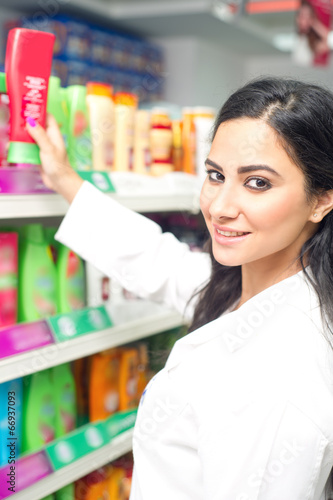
<point x="125" y="106"/>
<point x="101" y="115"/>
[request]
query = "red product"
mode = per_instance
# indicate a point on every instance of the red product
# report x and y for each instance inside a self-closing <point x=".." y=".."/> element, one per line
<point x="28" y="68"/>
<point x="8" y="278"/>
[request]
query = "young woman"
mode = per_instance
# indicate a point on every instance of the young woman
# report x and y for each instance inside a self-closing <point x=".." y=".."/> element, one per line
<point x="243" y="409"/>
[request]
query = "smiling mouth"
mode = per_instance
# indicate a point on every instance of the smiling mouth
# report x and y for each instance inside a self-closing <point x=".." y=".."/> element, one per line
<point x="231" y="234"/>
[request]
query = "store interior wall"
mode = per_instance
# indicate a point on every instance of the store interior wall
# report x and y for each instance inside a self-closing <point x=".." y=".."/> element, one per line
<point x="199" y="72"/>
<point x="283" y="66"/>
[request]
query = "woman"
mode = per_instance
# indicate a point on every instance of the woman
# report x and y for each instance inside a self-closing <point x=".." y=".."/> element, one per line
<point x="243" y="409"/>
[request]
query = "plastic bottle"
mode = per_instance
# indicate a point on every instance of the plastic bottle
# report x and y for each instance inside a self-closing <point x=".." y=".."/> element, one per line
<point x="125" y="106"/>
<point x="64" y="398"/>
<point x="37" y="275"/>
<point x="28" y="68"/>
<point x="38" y="411"/>
<point x="57" y="106"/>
<point x="104" y="385"/>
<point x="79" y="138"/>
<point x="188" y="139"/>
<point x="101" y="114"/>
<point x="70" y="281"/>
<point x="10" y="413"/>
<point x="8" y="278"/>
<point x="204" y="121"/>
<point x="177" y="146"/>
<point x="160" y="142"/>
<point x="142" y="156"/>
<point x="81" y="373"/>
<point x="66" y="493"/>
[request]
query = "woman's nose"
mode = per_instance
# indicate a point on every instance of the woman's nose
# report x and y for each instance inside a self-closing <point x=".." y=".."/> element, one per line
<point x="225" y="203"/>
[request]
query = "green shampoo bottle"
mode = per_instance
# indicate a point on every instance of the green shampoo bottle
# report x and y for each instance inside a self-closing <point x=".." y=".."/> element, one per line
<point x="57" y="106"/>
<point x="70" y="281"/>
<point x="65" y="399"/>
<point x="79" y="136"/>
<point x="38" y="411"/>
<point x="37" y="276"/>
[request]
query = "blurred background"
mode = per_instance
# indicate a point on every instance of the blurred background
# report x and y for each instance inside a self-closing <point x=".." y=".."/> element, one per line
<point x="207" y="47"/>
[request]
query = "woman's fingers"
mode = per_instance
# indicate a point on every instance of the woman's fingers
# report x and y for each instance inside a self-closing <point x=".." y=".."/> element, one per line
<point x="40" y="136"/>
<point x="53" y="132"/>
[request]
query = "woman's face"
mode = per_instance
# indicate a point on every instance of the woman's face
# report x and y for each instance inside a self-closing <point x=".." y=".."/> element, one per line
<point x="254" y="188"/>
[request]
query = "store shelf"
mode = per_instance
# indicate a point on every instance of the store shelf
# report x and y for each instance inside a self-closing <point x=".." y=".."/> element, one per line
<point x="116" y="448"/>
<point x="53" y="205"/>
<point x="56" y="354"/>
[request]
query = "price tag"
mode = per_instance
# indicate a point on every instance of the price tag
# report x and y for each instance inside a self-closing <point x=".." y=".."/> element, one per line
<point x="81" y="322"/>
<point x="101" y="180"/>
<point x="75" y="445"/>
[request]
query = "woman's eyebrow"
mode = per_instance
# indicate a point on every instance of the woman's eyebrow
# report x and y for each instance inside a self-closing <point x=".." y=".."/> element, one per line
<point x="243" y="170"/>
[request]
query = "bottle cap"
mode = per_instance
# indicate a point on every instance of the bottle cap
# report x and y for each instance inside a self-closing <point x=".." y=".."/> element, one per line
<point x="98" y="88"/>
<point x="23" y="152"/>
<point x="33" y="232"/>
<point x="3" y="83"/>
<point x="126" y="98"/>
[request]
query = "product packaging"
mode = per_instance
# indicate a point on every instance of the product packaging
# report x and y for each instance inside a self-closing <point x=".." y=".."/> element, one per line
<point x="104" y="385"/>
<point x="38" y="421"/>
<point x="8" y="278"/>
<point x="102" y="127"/>
<point x="125" y="106"/>
<point x="70" y="281"/>
<point x="64" y="399"/>
<point x="142" y="156"/>
<point x="161" y="142"/>
<point x="37" y="275"/>
<point x="128" y="379"/>
<point x="57" y="106"/>
<point x="188" y="140"/>
<point x="79" y="138"/>
<point x="28" y="68"/>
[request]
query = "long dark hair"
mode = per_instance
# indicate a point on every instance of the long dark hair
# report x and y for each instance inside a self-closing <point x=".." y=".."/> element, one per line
<point x="302" y="116"/>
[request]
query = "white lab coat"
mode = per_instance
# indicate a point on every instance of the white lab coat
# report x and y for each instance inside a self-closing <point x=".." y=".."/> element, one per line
<point x="243" y="409"/>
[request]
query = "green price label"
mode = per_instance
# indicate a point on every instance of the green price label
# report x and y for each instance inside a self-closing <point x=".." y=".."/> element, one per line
<point x="101" y="180"/>
<point x="77" y="323"/>
<point x="87" y="439"/>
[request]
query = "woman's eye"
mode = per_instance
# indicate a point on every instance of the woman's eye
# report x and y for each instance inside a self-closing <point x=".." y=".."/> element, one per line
<point x="258" y="183"/>
<point x="214" y="176"/>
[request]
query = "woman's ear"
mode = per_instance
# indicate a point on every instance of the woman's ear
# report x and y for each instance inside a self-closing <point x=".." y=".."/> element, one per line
<point x="322" y="206"/>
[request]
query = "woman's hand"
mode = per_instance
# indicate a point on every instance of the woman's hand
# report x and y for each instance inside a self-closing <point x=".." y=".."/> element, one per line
<point x="56" y="172"/>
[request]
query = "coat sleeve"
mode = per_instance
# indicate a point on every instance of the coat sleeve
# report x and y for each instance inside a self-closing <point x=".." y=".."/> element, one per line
<point x="132" y="249"/>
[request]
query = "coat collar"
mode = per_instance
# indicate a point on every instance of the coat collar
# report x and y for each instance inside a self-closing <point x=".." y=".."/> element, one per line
<point x="237" y="328"/>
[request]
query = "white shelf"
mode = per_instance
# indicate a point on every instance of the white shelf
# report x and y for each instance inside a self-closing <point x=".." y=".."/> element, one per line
<point x="53" y="205"/>
<point x="116" y="448"/>
<point x="85" y="345"/>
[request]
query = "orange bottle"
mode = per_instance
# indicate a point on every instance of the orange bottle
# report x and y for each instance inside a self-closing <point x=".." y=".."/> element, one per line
<point x="116" y="484"/>
<point x="188" y="139"/>
<point x="128" y="379"/>
<point x="104" y="385"/>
